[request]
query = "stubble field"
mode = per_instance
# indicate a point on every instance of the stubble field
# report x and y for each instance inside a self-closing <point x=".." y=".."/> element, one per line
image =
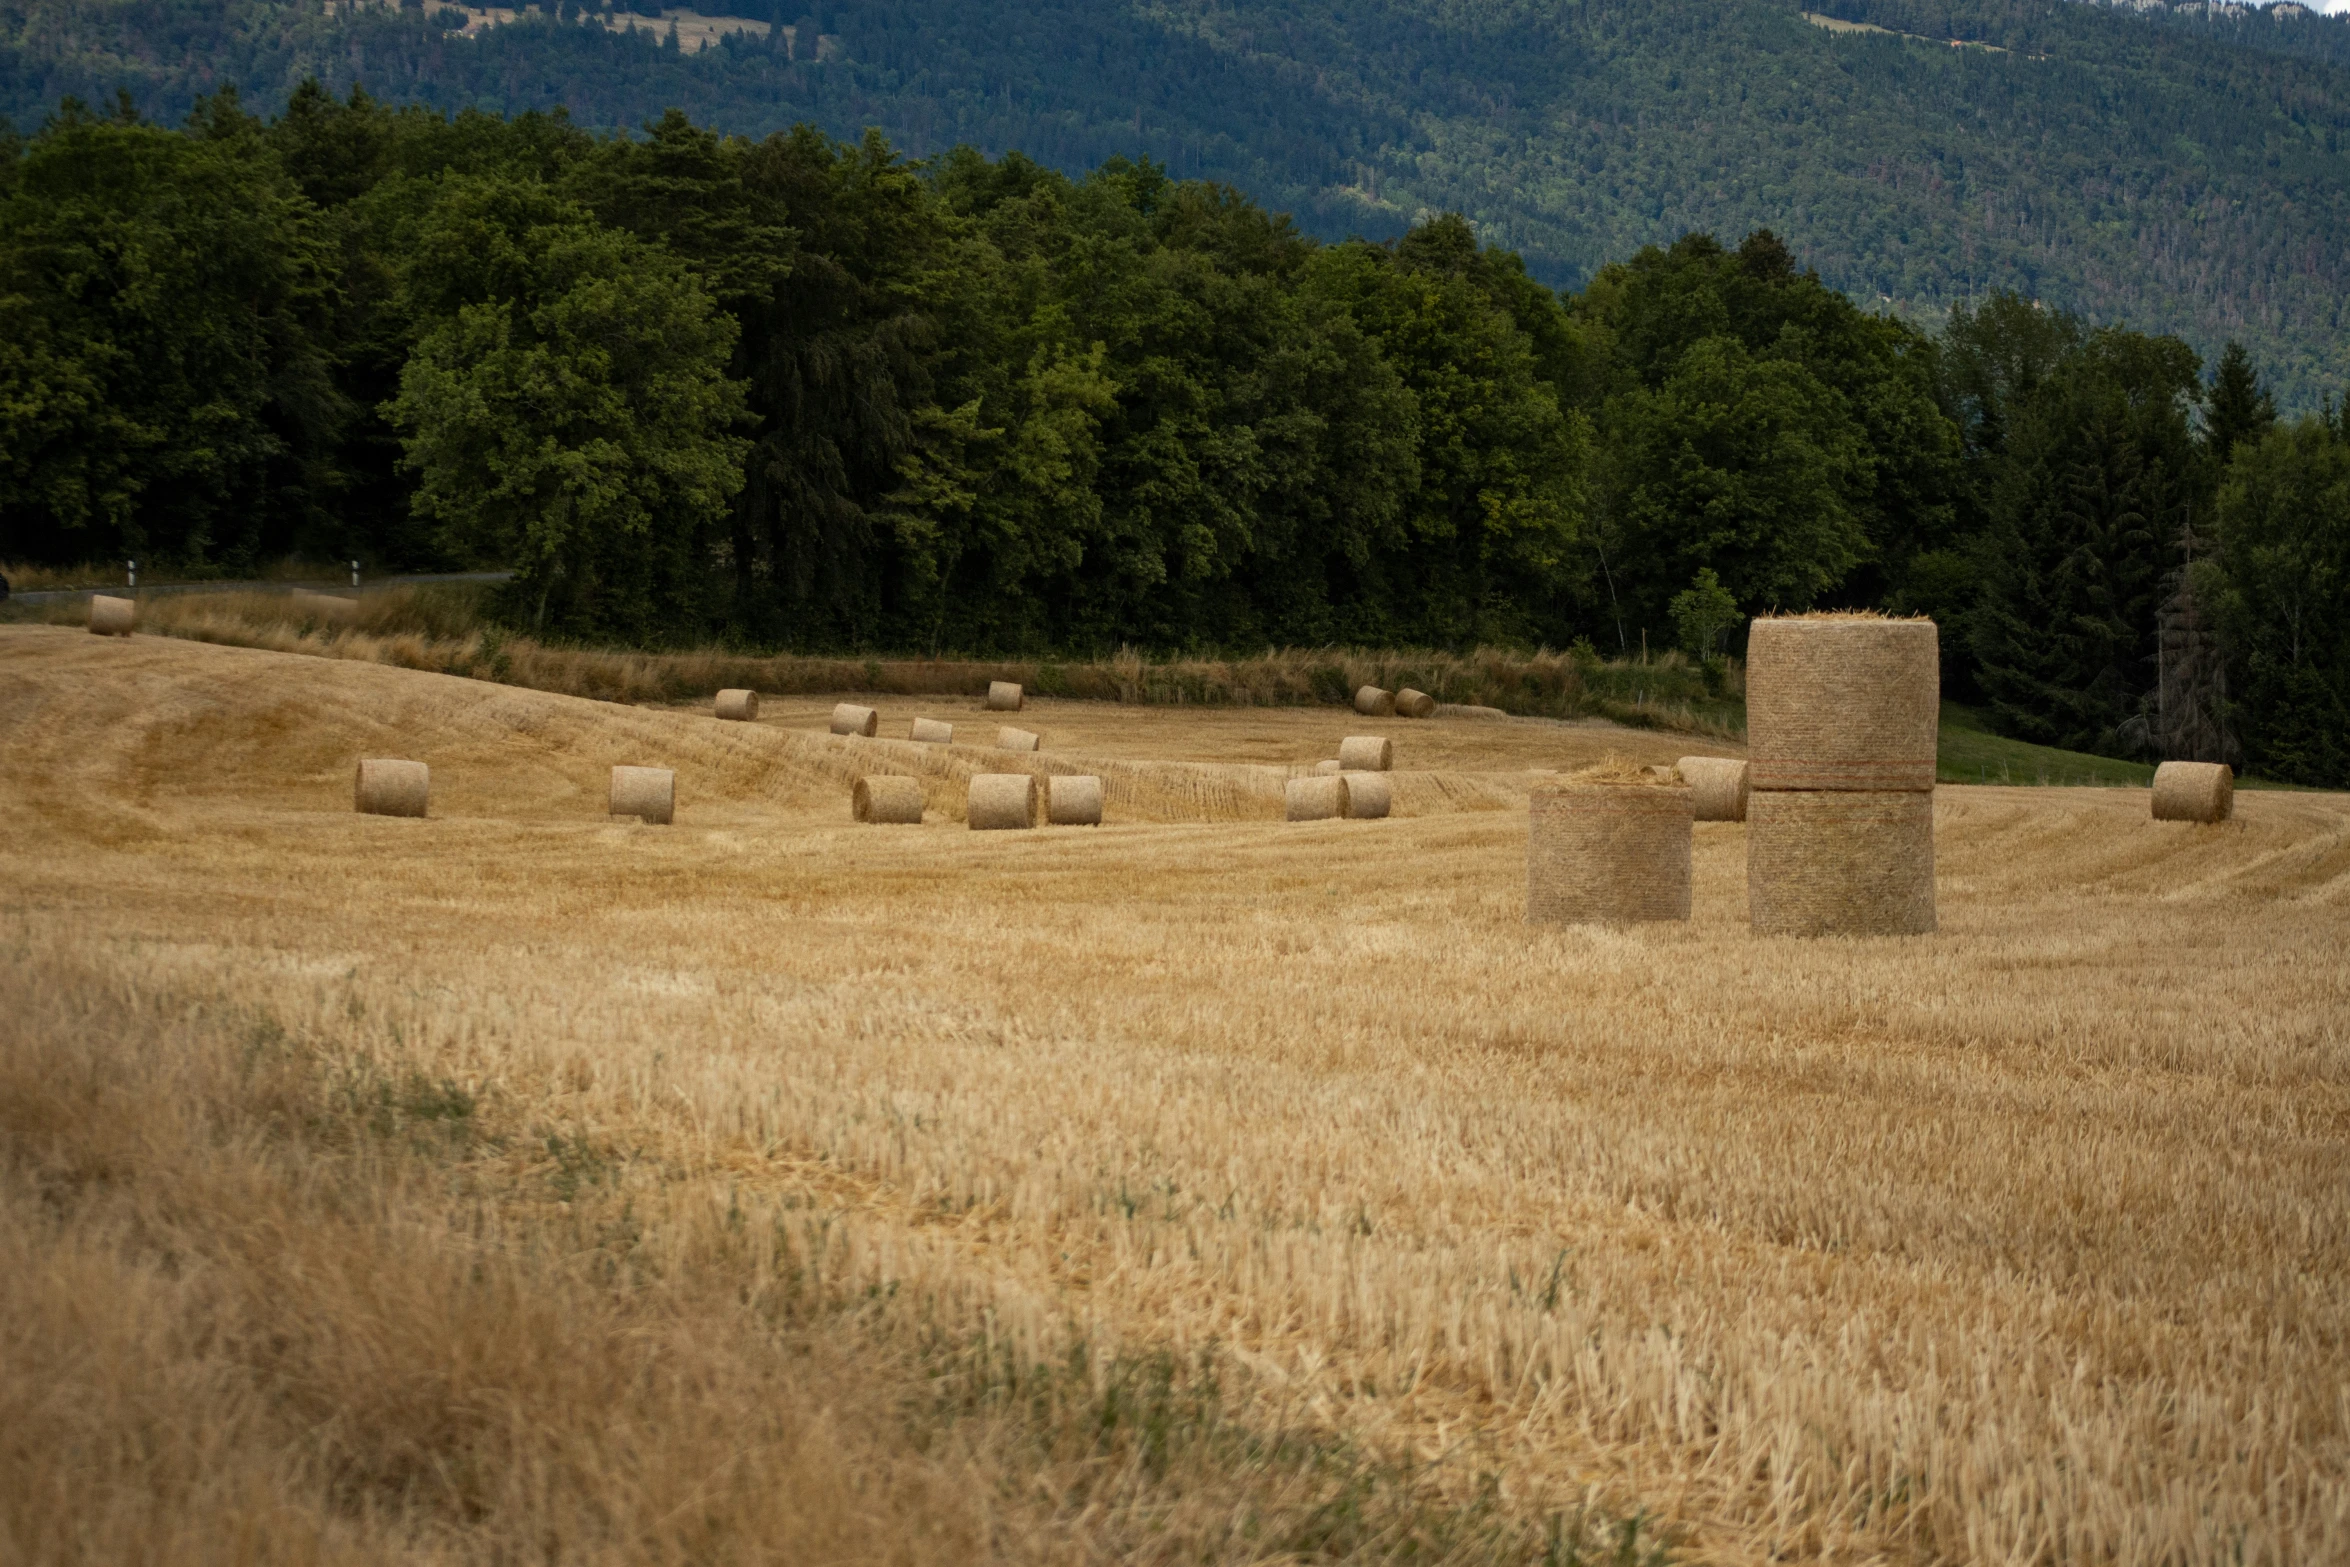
<point x="516" y="1184"/>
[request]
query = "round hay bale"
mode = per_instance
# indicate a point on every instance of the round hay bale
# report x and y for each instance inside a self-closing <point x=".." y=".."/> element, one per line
<point x="1365" y="754"/>
<point x="1607" y="848"/>
<point x="1317" y="799"/>
<point x="385" y="787"/>
<point x="1009" y="739"/>
<point x="1414" y="704"/>
<point x="647" y="793"/>
<point x="1720" y="786"/>
<point x="332" y="609"/>
<point x="932" y="732"/>
<point x="1331" y="766"/>
<point x="740" y="706"/>
<point x="112" y="617"/>
<point x="1369" y="796"/>
<point x="850" y="719"/>
<point x="1839" y="862"/>
<point x="1001" y="800"/>
<point x="1843" y="702"/>
<point x="1372" y="702"/>
<point x="2194" y="792"/>
<point x="883" y="798"/>
<point x="1073" y="801"/>
<point x="1005" y="696"/>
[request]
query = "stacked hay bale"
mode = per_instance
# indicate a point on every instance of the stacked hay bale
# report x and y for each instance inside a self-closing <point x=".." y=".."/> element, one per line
<point x="1718" y="786"/>
<point x="388" y="787"/>
<point x="1609" y="845"/>
<point x="1369" y="796"/>
<point x="1372" y="702"/>
<point x="647" y="793"/>
<point x="112" y="617"/>
<point x="1366" y="754"/>
<point x="1414" y="704"/>
<point x="1005" y="696"/>
<point x="1073" y="801"/>
<point x="1001" y="800"/>
<point x="1841" y="719"/>
<point x="884" y="799"/>
<point x="2194" y="792"/>
<point x="1316" y="799"/>
<point x="743" y="706"/>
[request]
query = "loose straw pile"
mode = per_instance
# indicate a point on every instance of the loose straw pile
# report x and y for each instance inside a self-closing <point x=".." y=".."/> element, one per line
<point x="1005" y="696"/>
<point x="1317" y="799"/>
<point x="850" y="719"/>
<point x="1841" y="714"/>
<point x="1073" y="801"/>
<point x="1718" y="786"/>
<point x="1009" y="739"/>
<point x="112" y="617"/>
<point x="1366" y="754"/>
<point x="2194" y="792"/>
<point x="743" y="706"/>
<point x="647" y="793"/>
<point x="1372" y="702"/>
<point x="887" y="799"/>
<point x="1609" y="845"/>
<point x="931" y="731"/>
<point x="1001" y="800"/>
<point x="387" y="787"/>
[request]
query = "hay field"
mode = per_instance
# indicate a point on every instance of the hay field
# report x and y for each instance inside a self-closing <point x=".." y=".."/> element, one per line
<point x="519" y="1184"/>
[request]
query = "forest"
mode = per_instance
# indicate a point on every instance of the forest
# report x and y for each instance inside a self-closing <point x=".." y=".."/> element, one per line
<point x="802" y="393"/>
<point x="2184" y="171"/>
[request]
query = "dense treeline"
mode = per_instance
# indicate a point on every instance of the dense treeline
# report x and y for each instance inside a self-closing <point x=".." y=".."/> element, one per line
<point x="2188" y="173"/>
<point x="802" y="393"/>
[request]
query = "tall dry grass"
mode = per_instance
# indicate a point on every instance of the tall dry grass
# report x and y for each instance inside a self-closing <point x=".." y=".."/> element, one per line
<point x="439" y="629"/>
<point x="2024" y="1243"/>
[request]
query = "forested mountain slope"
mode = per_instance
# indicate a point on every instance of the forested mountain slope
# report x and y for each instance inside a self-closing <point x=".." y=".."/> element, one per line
<point x="2134" y="170"/>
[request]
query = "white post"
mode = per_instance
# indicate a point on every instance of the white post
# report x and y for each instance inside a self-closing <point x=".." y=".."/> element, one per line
<point x="134" y="566"/>
<point x="354" y="575"/>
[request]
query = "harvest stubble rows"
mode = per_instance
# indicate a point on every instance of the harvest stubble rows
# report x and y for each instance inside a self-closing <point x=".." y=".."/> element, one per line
<point x="2020" y="1242"/>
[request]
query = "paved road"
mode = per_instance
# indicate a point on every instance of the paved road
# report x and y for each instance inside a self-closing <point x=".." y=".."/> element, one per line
<point x="343" y="585"/>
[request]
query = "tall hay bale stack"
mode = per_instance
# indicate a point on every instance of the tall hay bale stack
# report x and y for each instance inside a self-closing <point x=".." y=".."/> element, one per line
<point x="738" y="706"/>
<point x="1366" y="754"/>
<point x="931" y="731"/>
<point x="112" y="617"/>
<point x="887" y="799"/>
<point x="2194" y="792"/>
<point x="1372" y="702"/>
<point x="1840" y="862"/>
<point x="326" y="608"/>
<point x="1009" y="739"/>
<point x="1317" y="799"/>
<point x="1369" y="796"/>
<point x="1414" y="704"/>
<point x="1005" y="696"/>
<point x="850" y="719"/>
<point x="1717" y="786"/>
<point x="1842" y="702"/>
<point x="647" y="793"/>
<point x="1073" y="801"/>
<point x="385" y="786"/>
<point x="1608" y="846"/>
<point x="1001" y="800"/>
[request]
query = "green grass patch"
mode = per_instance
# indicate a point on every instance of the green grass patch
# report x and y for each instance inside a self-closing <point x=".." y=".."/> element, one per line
<point x="1969" y="753"/>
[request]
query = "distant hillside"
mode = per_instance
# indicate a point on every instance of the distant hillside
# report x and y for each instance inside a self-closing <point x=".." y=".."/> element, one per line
<point x="2185" y="171"/>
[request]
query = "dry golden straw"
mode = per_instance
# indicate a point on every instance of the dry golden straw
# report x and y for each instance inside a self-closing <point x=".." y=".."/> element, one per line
<point x="1002" y="800"/>
<point x="1316" y="799"/>
<point x="1073" y="800"/>
<point x="1840" y="862"/>
<point x="332" y="608"/>
<point x="1842" y="702"/>
<point x="932" y="731"/>
<point x="1366" y="754"/>
<point x="385" y="787"/>
<point x="1368" y="796"/>
<point x="1332" y="765"/>
<point x="647" y="793"/>
<point x="112" y="617"/>
<point x="739" y="705"/>
<point x="850" y="719"/>
<point x="1718" y="786"/>
<point x="1608" y="846"/>
<point x="886" y="798"/>
<point x="1009" y="739"/>
<point x="1415" y="704"/>
<point x="1004" y="696"/>
<point x="2194" y="792"/>
<point x="1372" y="702"/>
